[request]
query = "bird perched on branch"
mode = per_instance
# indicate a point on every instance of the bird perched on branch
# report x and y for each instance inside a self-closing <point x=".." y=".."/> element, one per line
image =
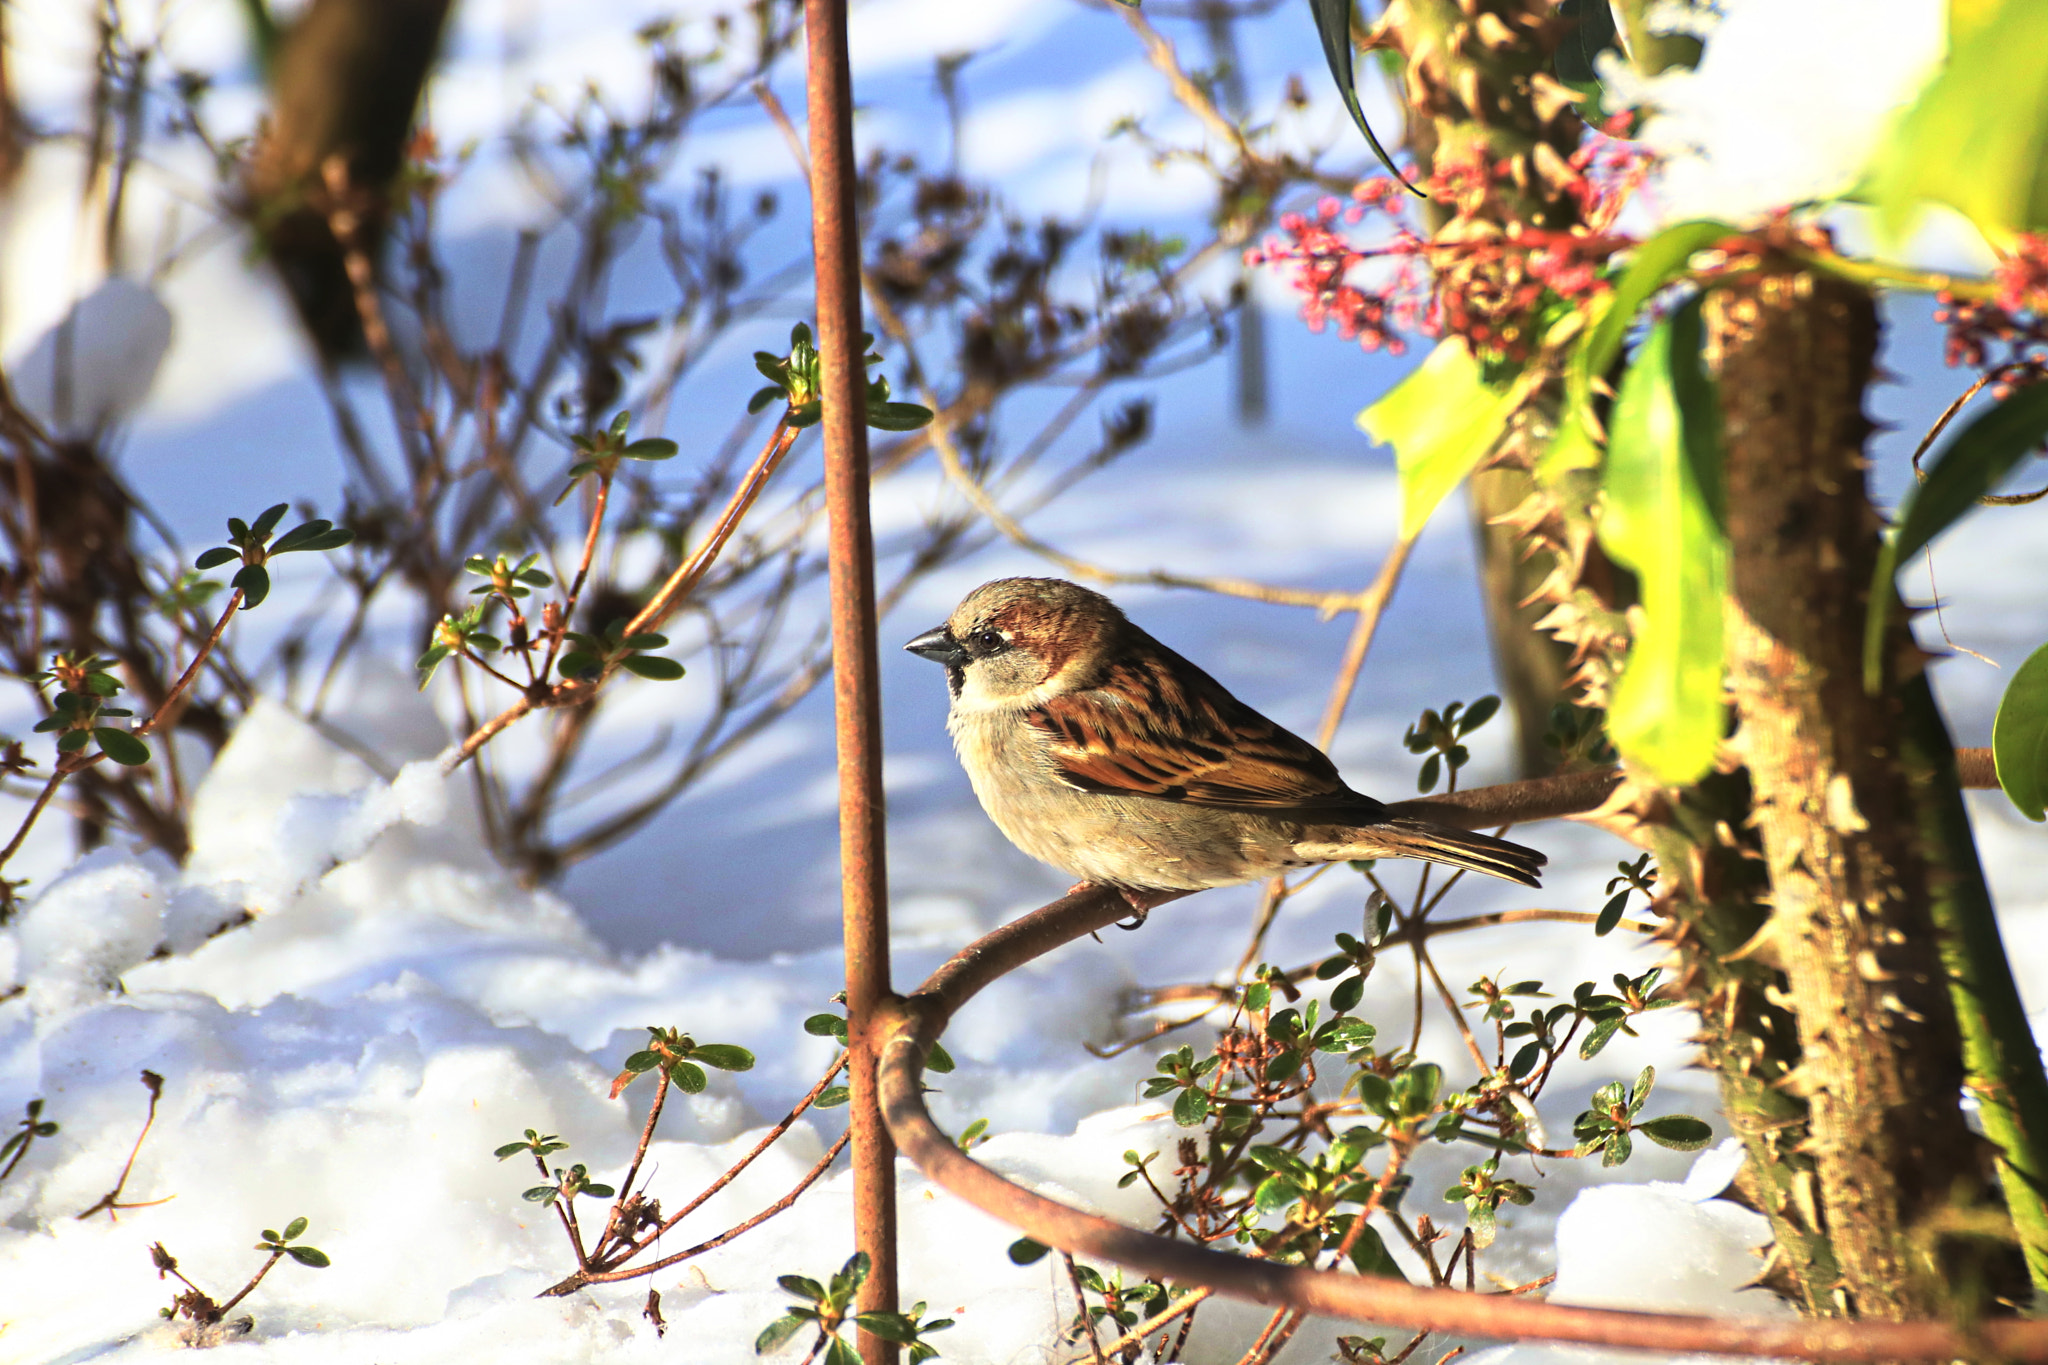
<point x="1102" y="752"/>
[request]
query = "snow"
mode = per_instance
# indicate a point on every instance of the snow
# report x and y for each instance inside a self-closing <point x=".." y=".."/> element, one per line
<point x="397" y="1006"/>
<point x="1789" y="101"/>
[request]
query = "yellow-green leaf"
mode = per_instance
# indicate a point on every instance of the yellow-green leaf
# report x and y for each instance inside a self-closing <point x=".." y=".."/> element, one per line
<point x="2019" y="737"/>
<point x="1441" y="421"/>
<point x="1662" y="520"/>
<point x="1977" y="138"/>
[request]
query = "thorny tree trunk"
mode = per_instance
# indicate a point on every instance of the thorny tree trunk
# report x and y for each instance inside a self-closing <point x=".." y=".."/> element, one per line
<point x="1477" y="89"/>
<point x="1850" y="920"/>
<point x="1481" y="93"/>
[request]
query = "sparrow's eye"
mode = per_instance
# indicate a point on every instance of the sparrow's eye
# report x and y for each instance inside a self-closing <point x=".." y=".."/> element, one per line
<point x="987" y="642"/>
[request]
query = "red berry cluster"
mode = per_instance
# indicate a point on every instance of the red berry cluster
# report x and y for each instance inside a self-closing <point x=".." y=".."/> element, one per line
<point x="1473" y="280"/>
<point x="2014" y="324"/>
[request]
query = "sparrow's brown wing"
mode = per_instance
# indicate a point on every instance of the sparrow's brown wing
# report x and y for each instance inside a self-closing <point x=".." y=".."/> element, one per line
<point x="1158" y="726"/>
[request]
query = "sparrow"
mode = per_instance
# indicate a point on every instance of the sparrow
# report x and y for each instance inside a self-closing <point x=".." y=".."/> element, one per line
<point x="1097" y="749"/>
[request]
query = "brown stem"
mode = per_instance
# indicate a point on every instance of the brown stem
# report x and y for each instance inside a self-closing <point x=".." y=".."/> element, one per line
<point x="604" y="493"/>
<point x="191" y="672"/>
<point x="915" y="1023"/>
<point x="658" y="608"/>
<point x="856" y="667"/>
<point x="582" y="1279"/>
<point x="1086" y="1323"/>
<point x="110" y="1201"/>
<point x="671" y="594"/>
<point x="768" y="1140"/>
<point x="639" y="1155"/>
<point x="246" y="1289"/>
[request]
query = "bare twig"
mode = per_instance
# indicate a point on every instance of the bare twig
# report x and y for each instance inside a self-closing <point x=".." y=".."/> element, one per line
<point x="111" y="1200"/>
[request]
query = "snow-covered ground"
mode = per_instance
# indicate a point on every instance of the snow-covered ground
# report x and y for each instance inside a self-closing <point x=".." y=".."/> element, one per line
<point x="399" y="1007"/>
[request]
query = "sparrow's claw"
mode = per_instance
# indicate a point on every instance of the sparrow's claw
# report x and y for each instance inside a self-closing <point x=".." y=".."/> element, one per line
<point x="1141" y="906"/>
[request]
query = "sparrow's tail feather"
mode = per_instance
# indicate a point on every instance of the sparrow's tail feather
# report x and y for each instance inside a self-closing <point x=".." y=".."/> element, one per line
<point x="1404" y="838"/>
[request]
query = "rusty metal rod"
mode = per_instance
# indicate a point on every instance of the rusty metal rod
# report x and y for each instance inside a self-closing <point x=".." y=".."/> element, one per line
<point x="856" y="681"/>
<point x="914" y="1024"/>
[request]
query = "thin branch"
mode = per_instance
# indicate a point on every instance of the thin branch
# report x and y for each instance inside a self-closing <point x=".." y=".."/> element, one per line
<point x="111" y="1200"/>
<point x="1187" y="1303"/>
<point x="579" y="1280"/>
<point x="1087" y="1324"/>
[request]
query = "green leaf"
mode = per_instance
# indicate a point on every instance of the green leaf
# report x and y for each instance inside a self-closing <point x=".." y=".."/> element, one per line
<point x="826" y="1026"/>
<point x="852" y="1275"/>
<point x="218" y="555"/>
<point x="1478" y="714"/>
<point x="777" y="1333"/>
<point x="1638" y="1096"/>
<point x="642" y="1061"/>
<point x="939" y="1062"/>
<point x="1974" y="138"/>
<point x="1441" y="421"/>
<point x="1679" y="1132"/>
<point x="1333" y="26"/>
<point x="1275" y="1192"/>
<point x="327" y="540"/>
<point x="838" y="1351"/>
<point x="652" y="667"/>
<point x="1024" y="1251"/>
<point x="428" y="662"/>
<point x="651" y="448"/>
<point x="1369" y="1255"/>
<point x="597" y="1191"/>
<point x="511" y="1149"/>
<point x="121" y="746"/>
<point x="311" y="1256"/>
<point x="1610" y="914"/>
<point x="293" y="1229"/>
<point x="688" y="1078"/>
<point x="888" y="1326"/>
<point x="832" y="1098"/>
<point x="1602" y="1034"/>
<point x="2019" y="736"/>
<point x="1652" y="266"/>
<point x="897" y="416"/>
<point x="254" y="581"/>
<point x="577" y="665"/>
<point x="724" y="1056"/>
<point x="1591" y="32"/>
<point x="763" y="397"/>
<point x="1348" y="993"/>
<point x="71" y="741"/>
<point x="1191" y="1108"/>
<point x="268" y="521"/>
<point x="541" y="1194"/>
<point x="1376" y="1093"/>
<point x="1663" y="486"/>
<point x="298" y="535"/>
<point x="1969" y="466"/>
<point x="1415" y="1090"/>
<point x="803" y="1286"/>
<point x="1620" y="1147"/>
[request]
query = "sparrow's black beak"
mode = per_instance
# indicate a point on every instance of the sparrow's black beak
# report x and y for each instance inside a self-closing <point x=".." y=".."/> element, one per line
<point x="938" y="646"/>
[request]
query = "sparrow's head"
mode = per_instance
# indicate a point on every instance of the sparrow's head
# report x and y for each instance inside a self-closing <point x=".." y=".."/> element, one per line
<point x="1017" y="642"/>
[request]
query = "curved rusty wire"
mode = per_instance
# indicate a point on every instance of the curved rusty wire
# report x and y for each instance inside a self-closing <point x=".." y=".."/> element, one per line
<point x="909" y="1026"/>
